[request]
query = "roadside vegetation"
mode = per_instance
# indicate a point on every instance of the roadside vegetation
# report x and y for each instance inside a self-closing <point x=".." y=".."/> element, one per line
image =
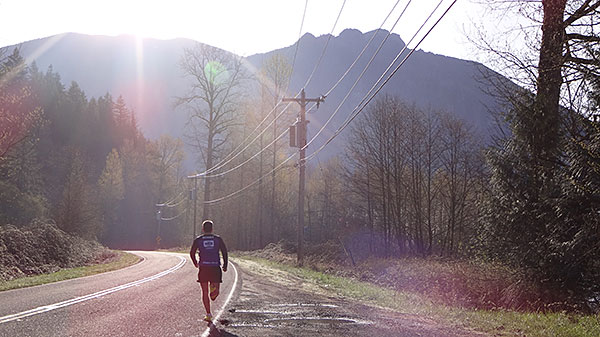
<point x="456" y="293"/>
<point x="42" y="253"/>
<point x="465" y="282"/>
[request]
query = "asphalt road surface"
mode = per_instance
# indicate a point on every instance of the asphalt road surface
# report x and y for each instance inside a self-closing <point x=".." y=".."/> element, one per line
<point x="273" y="303"/>
<point x="156" y="297"/>
<point x="160" y="297"/>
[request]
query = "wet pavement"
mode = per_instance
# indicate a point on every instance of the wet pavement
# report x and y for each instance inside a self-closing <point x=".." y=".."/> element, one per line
<point x="284" y="305"/>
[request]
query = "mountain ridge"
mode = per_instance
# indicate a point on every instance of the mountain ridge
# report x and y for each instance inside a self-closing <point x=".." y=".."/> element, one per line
<point x="148" y="76"/>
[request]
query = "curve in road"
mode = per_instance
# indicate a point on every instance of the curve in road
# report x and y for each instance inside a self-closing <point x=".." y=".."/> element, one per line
<point x="54" y="306"/>
<point x="119" y="303"/>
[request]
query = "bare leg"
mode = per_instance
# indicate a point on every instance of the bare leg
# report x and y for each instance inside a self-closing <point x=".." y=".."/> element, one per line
<point x="215" y="292"/>
<point x="205" y="299"/>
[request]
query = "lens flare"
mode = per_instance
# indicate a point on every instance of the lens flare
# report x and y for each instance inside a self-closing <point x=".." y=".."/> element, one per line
<point x="216" y="73"/>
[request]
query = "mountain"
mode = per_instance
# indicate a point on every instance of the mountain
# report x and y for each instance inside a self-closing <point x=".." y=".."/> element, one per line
<point x="147" y="74"/>
<point x="427" y="80"/>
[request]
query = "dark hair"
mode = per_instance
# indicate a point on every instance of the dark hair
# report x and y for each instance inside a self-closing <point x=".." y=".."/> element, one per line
<point x="207" y="226"/>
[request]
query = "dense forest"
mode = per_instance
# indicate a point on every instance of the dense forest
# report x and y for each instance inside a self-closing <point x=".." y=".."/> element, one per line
<point x="411" y="182"/>
<point x="81" y="162"/>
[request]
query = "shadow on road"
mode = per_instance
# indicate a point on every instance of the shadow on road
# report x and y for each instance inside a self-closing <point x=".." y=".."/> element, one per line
<point x="216" y="332"/>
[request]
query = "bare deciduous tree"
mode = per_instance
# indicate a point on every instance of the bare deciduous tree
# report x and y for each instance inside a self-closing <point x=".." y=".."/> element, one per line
<point x="414" y="170"/>
<point x="274" y="77"/>
<point x="216" y="82"/>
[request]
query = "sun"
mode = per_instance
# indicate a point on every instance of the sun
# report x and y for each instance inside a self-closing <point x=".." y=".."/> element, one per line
<point x="146" y="21"/>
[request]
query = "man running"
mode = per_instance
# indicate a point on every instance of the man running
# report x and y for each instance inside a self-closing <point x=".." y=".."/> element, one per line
<point x="208" y="246"/>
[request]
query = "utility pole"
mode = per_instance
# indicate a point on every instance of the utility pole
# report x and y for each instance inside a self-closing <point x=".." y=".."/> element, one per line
<point x="194" y="196"/>
<point x="158" y="220"/>
<point x="301" y="143"/>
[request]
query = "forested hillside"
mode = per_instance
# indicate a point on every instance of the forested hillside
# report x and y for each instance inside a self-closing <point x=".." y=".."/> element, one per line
<point x="147" y="73"/>
<point x="80" y="161"/>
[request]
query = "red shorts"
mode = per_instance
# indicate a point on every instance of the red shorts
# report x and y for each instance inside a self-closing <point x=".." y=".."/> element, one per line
<point x="210" y="274"/>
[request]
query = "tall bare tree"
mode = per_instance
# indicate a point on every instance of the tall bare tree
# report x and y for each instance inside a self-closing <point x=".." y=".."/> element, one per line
<point x="410" y="166"/>
<point x="170" y="157"/>
<point x="461" y="162"/>
<point x="275" y="76"/>
<point x="216" y="88"/>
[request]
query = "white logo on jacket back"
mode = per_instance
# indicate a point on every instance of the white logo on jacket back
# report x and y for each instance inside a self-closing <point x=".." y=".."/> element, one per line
<point x="208" y="244"/>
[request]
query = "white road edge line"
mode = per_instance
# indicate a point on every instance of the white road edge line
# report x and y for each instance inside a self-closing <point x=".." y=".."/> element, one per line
<point x="80" y="299"/>
<point x="218" y="315"/>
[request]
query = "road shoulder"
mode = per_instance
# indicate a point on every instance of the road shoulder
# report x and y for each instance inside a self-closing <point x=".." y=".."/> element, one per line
<point x="273" y="302"/>
<point x="124" y="260"/>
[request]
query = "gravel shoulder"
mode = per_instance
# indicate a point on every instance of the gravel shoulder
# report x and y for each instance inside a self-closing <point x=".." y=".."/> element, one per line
<point x="272" y="302"/>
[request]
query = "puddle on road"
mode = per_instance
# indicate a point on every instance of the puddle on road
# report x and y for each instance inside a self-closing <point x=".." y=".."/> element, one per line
<point x="325" y="320"/>
<point x="264" y="312"/>
<point x="251" y="325"/>
<point x="323" y="305"/>
<point x="287" y="310"/>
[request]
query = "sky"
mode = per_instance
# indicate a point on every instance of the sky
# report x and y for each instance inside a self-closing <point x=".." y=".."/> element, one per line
<point x="244" y="27"/>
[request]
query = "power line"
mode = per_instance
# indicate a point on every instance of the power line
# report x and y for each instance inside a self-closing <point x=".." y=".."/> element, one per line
<point x="175" y="217"/>
<point x="226" y="161"/>
<point x="363" y="50"/>
<point x="263" y="176"/>
<point x="248" y="145"/>
<point x="277" y="117"/>
<point x="176" y="204"/>
<point x="358" y="109"/>
<point x="352" y="65"/>
<point x="326" y="44"/>
<point x="318" y="160"/>
<point x="250" y="185"/>
<point x="170" y="201"/>
<point x="297" y="44"/>
<point x="362" y="74"/>
<point x="364" y="71"/>
<point x="249" y="159"/>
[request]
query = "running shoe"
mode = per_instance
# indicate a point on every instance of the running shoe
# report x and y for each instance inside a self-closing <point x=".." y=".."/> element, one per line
<point x="208" y="317"/>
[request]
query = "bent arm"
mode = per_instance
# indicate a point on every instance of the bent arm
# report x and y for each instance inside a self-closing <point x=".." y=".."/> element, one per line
<point x="224" y="252"/>
<point x="193" y="254"/>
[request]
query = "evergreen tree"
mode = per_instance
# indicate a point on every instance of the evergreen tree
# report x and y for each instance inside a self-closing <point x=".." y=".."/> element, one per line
<point x="19" y="114"/>
<point x="77" y="212"/>
<point x="123" y="121"/>
<point x="541" y="213"/>
<point x="137" y="210"/>
<point x="21" y="197"/>
<point x="111" y="192"/>
<point x="106" y="123"/>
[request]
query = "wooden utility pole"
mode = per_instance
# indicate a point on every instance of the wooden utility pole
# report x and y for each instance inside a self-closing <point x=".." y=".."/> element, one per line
<point x="301" y="144"/>
<point x="194" y="196"/>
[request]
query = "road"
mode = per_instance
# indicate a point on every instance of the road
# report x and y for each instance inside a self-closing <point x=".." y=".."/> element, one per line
<point x="156" y="297"/>
<point x="273" y="303"/>
<point x="160" y="297"/>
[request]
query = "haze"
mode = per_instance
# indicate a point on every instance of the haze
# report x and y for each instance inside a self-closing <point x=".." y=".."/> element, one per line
<point x="232" y="25"/>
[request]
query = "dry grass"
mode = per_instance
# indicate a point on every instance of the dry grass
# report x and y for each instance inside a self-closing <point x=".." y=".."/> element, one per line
<point x="465" y="283"/>
<point x="113" y="261"/>
<point x="498" y="322"/>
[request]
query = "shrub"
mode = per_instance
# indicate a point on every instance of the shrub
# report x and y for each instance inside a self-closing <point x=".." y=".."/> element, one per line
<point x="42" y="247"/>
